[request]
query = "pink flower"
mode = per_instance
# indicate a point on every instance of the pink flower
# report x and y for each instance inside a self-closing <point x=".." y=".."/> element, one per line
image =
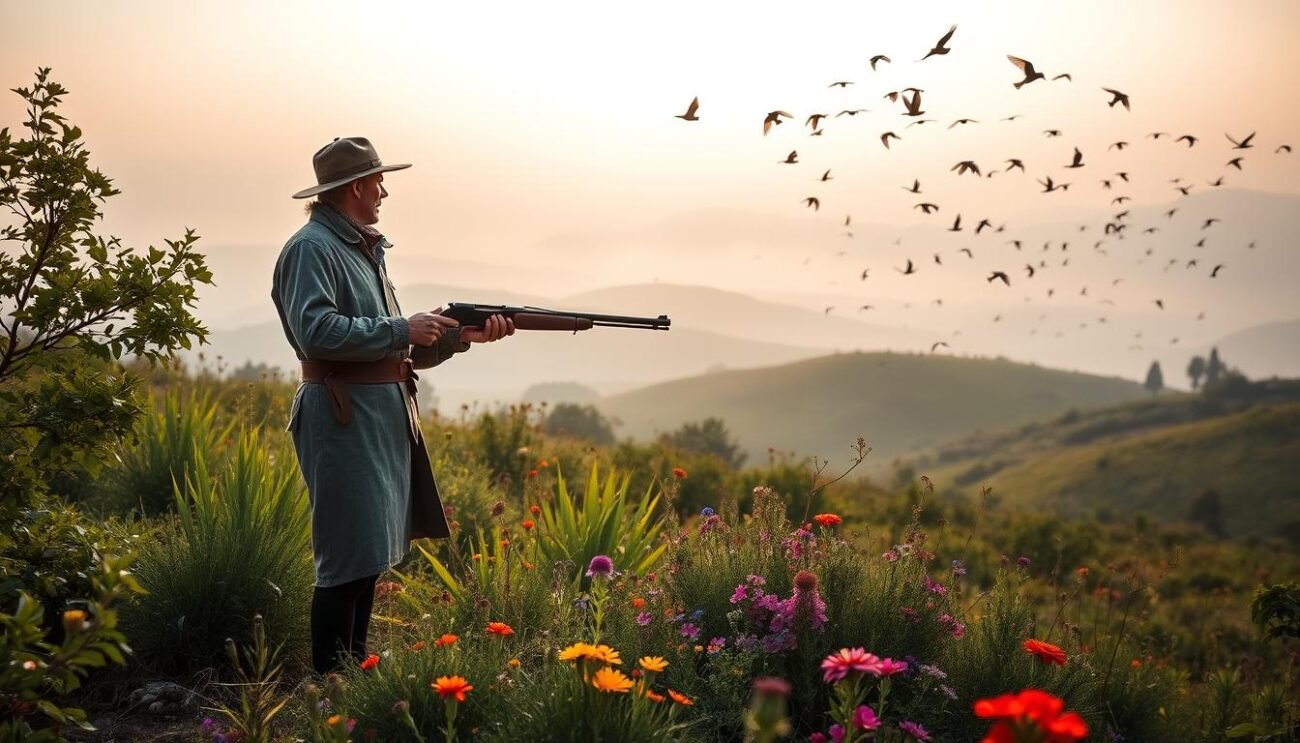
<point x="889" y="667"/>
<point x="837" y="733"/>
<point x="935" y="587"/>
<point x="740" y="594"/>
<point x="915" y="731"/>
<point x="891" y="556"/>
<point x="848" y="660"/>
<point x="818" y="738"/>
<point x="864" y="718"/>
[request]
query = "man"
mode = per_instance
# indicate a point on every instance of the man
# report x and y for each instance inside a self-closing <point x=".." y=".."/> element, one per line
<point x="354" y="421"/>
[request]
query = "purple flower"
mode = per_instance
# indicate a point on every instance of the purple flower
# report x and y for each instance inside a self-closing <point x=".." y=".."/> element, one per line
<point x="644" y="618"/>
<point x="933" y="672"/>
<point x="208" y="724"/>
<point x="756" y="580"/>
<point x="740" y="594"/>
<point x="1022" y="561"/>
<point x="935" y="587"/>
<point x="837" y="733"/>
<point x="948" y="691"/>
<point x="707" y="511"/>
<point x="958" y="568"/>
<point x="864" y="718"/>
<point x="690" y="631"/>
<point x="915" y="731"/>
<point x="600" y="567"/>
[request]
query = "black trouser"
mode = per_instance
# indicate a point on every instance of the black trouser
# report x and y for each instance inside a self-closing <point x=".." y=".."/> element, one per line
<point x="340" y="618"/>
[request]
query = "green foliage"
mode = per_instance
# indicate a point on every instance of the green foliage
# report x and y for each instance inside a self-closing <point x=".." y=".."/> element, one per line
<point x="71" y="296"/>
<point x="163" y="451"/>
<point x="37" y="675"/>
<point x="1155" y="378"/>
<point x="1276" y="610"/>
<point x="581" y="421"/>
<point x="257" y="688"/>
<point x="708" y="436"/>
<point x="241" y="546"/>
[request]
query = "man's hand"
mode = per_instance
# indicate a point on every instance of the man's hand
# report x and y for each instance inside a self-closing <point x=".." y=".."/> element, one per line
<point x="427" y="327"/>
<point x="496" y="328"/>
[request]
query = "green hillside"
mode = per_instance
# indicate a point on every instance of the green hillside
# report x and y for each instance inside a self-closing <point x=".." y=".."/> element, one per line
<point x="897" y="402"/>
<point x="1154" y="457"/>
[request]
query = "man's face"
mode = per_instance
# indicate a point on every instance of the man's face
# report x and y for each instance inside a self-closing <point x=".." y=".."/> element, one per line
<point x="371" y="193"/>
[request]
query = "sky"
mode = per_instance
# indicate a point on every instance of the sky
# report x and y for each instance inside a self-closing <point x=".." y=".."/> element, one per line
<point x="546" y="153"/>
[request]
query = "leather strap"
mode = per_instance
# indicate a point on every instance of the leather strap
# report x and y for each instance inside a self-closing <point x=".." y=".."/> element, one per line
<point x="337" y="375"/>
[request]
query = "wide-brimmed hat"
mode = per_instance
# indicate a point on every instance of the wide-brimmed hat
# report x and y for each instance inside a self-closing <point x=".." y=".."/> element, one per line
<point x="343" y="160"/>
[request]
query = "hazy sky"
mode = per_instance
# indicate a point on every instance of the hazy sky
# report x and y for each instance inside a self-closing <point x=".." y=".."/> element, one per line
<point x="534" y="124"/>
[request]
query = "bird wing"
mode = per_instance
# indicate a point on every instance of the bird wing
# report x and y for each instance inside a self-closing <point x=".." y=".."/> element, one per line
<point x="695" y="104"/>
<point x="946" y="37"/>
<point x="1025" y="65"/>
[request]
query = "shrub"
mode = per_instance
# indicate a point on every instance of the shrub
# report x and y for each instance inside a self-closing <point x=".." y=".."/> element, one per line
<point x="240" y="546"/>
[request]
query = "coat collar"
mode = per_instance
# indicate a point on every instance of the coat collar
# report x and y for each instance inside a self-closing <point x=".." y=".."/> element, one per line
<point x="330" y="217"/>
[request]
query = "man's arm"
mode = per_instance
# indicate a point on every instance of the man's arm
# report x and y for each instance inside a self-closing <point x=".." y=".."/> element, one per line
<point x="427" y="357"/>
<point x="308" y="286"/>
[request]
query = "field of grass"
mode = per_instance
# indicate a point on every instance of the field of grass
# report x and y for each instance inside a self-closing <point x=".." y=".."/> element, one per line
<point x="1152" y="457"/>
<point x="898" y="402"/>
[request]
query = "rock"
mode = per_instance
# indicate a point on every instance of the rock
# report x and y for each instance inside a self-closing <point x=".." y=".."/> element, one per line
<point x="163" y="698"/>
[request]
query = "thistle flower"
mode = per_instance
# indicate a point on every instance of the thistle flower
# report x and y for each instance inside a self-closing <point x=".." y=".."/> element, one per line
<point x="600" y="567"/>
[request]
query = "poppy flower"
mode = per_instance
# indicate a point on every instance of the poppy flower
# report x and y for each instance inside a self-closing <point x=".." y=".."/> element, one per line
<point x="1046" y="652"/>
<point x="499" y="628"/>
<point x="447" y="639"/>
<point x="452" y="687"/>
<point x="417" y="646"/>
<point x="529" y="524"/>
<point x="534" y="509"/>
<point x="370" y="663"/>
<point x="1030" y="707"/>
<point x="679" y="473"/>
<point x="828" y="519"/>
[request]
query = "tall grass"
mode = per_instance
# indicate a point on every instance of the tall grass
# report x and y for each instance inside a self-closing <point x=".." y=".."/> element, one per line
<point x="240" y="546"/>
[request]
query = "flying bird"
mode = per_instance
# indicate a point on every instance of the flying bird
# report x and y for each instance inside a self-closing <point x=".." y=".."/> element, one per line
<point x="956" y="225"/>
<point x="1049" y="185"/>
<point x="865" y="271"/>
<point x="916" y="186"/>
<point x="879" y="58"/>
<point x="967" y="251"/>
<point x="1160" y="304"/>
<point x="866" y="307"/>
<point x="964" y="166"/>
<point x="1282" y="148"/>
<point x="914" y="105"/>
<point x="1158" y="135"/>
<point x="1217" y="182"/>
<point x="1123" y="176"/>
<point x="938" y="260"/>
<point x="773" y="117"/>
<point x="690" y="111"/>
<point x="1215" y="271"/>
<point x="982" y="224"/>
<point x="1077" y="162"/>
<point x="1209" y="222"/>
<point x="939" y="343"/>
<point x="1015" y="163"/>
<point x="940" y="48"/>
<point x="1065" y="75"/>
<point x="841" y="83"/>
<point x="790" y="159"/>
<point x="1117" y="97"/>
<point x="909" y="270"/>
<point x="1191" y="141"/>
<point x="851" y="112"/>
<point x="962" y="121"/>
<point x="1118" y="146"/>
<point x="827" y="176"/>
<point x="999" y="275"/>
<point x="884" y="138"/>
<point x="1052" y="132"/>
<point x="1243" y="144"/>
<point x="1234" y="162"/>
<point x="814" y="202"/>
<point x="927" y="207"/>
<point x="1012" y="117"/>
<point x="814" y="121"/>
<point x="1026" y="67"/>
<point x="919" y="122"/>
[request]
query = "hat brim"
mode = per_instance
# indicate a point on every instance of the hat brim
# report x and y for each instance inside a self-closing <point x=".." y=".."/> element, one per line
<point x="332" y="184"/>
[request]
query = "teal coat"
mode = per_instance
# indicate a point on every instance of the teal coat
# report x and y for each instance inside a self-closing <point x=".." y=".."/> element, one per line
<point x="369" y="483"/>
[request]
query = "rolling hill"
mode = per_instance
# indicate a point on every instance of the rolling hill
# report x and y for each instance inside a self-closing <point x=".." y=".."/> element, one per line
<point x="1153" y="456"/>
<point x="897" y="402"/>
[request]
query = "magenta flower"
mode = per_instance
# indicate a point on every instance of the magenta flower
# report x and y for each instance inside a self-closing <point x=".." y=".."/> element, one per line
<point x="740" y="594"/>
<point x="864" y="718"/>
<point x="644" y="618"/>
<point x="837" y="733"/>
<point x="935" y="587"/>
<point x="915" y="731"/>
<point x="848" y="660"/>
<point x="818" y="738"/>
<point x="889" y="667"/>
<point x="600" y="567"/>
<point x="690" y="631"/>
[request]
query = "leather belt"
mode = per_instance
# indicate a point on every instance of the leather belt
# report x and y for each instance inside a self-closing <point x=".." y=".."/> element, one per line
<point x="337" y="375"/>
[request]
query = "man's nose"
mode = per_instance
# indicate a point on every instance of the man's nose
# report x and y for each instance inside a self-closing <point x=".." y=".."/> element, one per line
<point x="383" y="192"/>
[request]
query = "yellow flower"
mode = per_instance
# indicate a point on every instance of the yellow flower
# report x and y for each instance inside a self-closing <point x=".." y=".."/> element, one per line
<point x="576" y="651"/>
<point x="606" y="654"/>
<point x="653" y="663"/>
<point x="610" y="680"/>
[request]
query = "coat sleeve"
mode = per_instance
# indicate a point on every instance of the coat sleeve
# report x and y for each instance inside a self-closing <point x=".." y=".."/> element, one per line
<point x="425" y="357"/>
<point x="308" y="284"/>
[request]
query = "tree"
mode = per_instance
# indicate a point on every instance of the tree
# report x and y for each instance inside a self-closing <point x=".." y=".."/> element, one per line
<point x="1214" y="368"/>
<point x="1195" y="369"/>
<point x="709" y="436"/>
<point x="1155" y="378"/>
<point x="1206" y="510"/>
<point x="583" y="421"/>
<point x="75" y="304"/>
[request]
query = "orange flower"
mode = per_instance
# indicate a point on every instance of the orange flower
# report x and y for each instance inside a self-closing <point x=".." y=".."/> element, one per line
<point x="513" y="663"/>
<point x="370" y="663"/>
<point x="417" y="646"/>
<point x="529" y="524"/>
<point x="680" y="698"/>
<point x="528" y="565"/>
<point x="1045" y="652"/>
<point x="476" y="557"/>
<point x="543" y="464"/>
<point x="333" y="720"/>
<point x="74" y="620"/>
<point x="828" y="519"/>
<point x="499" y="628"/>
<point x="1135" y="663"/>
<point x="638" y="603"/>
<point x="679" y="473"/>
<point x="534" y="509"/>
<point x="653" y="663"/>
<point x="652" y="696"/>
<point x="505" y="543"/>
<point x="446" y="639"/>
<point x="533" y="473"/>
<point x="452" y="686"/>
<point x="611" y="680"/>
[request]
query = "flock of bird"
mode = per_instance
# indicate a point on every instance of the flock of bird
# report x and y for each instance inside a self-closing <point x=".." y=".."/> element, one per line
<point x="1115" y="228"/>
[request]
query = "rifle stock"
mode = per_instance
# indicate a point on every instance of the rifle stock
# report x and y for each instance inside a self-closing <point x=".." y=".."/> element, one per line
<point x="538" y="318"/>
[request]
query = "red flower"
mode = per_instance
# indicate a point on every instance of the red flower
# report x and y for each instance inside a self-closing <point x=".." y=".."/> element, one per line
<point x="534" y="509"/>
<point x="529" y="524"/>
<point x="679" y="473"/>
<point x="1030" y="707"/>
<point x="1045" y="652"/>
<point x="499" y="628"/>
<point x="370" y="663"/>
<point x="828" y="519"/>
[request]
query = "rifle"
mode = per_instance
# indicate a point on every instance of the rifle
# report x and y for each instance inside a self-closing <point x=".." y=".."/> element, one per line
<point x="474" y="315"/>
